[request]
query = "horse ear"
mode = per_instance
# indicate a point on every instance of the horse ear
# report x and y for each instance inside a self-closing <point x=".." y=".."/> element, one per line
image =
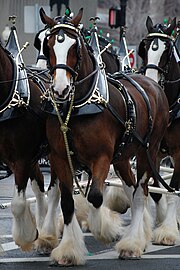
<point x="76" y="20"/>
<point x="171" y="27"/>
<point x="169" y="20"/>
<point x="45" y="19"/>
<point x="149" y="25"/>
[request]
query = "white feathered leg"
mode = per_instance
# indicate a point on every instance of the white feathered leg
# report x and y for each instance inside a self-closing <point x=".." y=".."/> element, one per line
<point x="24" y="227"/>
<point x="41" y="205"/>
<point x="167" y="233"/>
<point x="48" y="235"/>
<point x="105" y="224"/>
<point x="134" y="242"/>
<point x="71" y="250"/>
<point x="115" y="199"/>
<point x="161" y="209"/>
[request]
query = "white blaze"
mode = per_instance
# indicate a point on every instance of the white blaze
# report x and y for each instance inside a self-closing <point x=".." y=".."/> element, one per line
<point x="61" y="81"/>
<point x="154" y="58"/>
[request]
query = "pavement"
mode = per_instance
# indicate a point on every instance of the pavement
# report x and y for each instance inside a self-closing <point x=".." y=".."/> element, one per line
<point x="99" y="256"/>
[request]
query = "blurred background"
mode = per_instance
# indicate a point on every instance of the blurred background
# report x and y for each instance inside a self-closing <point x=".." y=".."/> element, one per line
<point x="131" y="13"/>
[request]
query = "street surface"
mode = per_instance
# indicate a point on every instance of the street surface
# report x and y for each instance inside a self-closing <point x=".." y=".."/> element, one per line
<point x="99" y="256"/>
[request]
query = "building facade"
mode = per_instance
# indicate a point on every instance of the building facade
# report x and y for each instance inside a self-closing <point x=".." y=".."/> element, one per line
<point x="28" y="21"/>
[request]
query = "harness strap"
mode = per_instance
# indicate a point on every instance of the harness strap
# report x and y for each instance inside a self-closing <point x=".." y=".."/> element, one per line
<point x="144" y="142"/>
<point x="41" y="57"/>
<point x="146" y="99"/>
<point x="157" y="175"/>
<point x="152" y="66"/>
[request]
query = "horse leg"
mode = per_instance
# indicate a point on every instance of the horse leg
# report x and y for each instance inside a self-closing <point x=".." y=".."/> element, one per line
<point x="48" y="234"/>
<point x="135" y="239"/>
<point x="115" y="198"/>
<point x="37" y="183"/>
<point x="167" y="233"/>
<point x="71" y="250"/>
<point x="104" y="223"/>
<point x="159" y="199"/>
<point x="24" y="226"/>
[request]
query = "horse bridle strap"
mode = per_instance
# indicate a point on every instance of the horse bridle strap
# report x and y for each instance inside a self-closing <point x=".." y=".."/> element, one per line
<point x="65" y="26"/>
<point x="153" y="66"/>
<point x="63" y="66"/>
<point x="41" y="57"/>
<point x="160" y="35"/>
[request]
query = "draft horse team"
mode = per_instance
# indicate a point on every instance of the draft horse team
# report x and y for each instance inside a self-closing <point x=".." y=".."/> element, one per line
<point x="91" y="122"/>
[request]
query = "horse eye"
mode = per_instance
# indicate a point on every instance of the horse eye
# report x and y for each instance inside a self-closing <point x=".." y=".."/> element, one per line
<point x="167" y="45"/>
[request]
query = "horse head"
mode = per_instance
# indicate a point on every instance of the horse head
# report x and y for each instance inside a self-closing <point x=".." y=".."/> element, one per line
<point x="40" y="37"/>
<point x="157" y="48"/>
<point x="62" y="49"/>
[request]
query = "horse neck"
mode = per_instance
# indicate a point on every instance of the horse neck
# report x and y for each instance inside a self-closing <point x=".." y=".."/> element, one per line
<point x="6" y="74"/>
<point x="171" y="88"/>
<point x="111" y="62"/>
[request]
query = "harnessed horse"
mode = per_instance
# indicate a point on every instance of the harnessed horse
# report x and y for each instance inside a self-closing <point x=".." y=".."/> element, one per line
<point x="100" y="126"/>
<point x="109" y="56"/>
<point x="22" y="125"/>
<point x="162" y="63"/>
<point x="114" y="198"/>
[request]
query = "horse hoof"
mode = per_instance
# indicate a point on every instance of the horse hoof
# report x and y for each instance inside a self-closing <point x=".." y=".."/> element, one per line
<point x="129" y="255"/>
<point x="62" y="263"/>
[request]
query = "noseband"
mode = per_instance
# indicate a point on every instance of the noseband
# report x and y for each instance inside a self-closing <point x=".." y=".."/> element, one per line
<point x="66" y="67"/>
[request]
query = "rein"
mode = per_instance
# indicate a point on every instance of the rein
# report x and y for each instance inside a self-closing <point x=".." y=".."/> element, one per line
<point x="87" y="77"/>
<point x="64" y="128"/>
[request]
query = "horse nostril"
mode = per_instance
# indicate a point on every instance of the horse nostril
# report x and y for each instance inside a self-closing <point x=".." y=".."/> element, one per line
<point x="65" y="92"/>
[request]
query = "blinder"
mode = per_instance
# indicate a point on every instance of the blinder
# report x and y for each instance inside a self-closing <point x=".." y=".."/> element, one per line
<point x="37" y="42"/>
<point x="45" y="48"/>
<point x="141" y="49"/>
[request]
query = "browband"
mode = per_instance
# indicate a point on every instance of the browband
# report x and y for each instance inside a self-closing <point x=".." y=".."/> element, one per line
<point x="64" y="25"/>
<point x="160" y="35"/>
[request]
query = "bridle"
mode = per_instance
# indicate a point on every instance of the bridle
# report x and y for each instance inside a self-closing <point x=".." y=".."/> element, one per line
<point x="165" y="69"/>
<point x="59" y="30"/>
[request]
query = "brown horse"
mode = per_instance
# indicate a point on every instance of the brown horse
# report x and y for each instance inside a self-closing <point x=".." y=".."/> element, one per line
<point x="109" y="56"/>
<point x="161" y="60"/>
<point x="100" y="126"/>
<point x="22" y="125"/>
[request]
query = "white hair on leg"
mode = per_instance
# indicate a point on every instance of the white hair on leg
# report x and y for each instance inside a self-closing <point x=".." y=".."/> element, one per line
<point x="24" y="228"/>
<point x="161" y="209"/>
<point x="134" y="241"/>
<point x="167" y="233"/>
<point x="41" y="205"/>
<point x="71" y="249"/>
<point x="48" y="236"/>
<point x="81" y="210"/>
<point x="115" y="199"/>
<point x="148" y="222"/>
<point x="105" y="224"/>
